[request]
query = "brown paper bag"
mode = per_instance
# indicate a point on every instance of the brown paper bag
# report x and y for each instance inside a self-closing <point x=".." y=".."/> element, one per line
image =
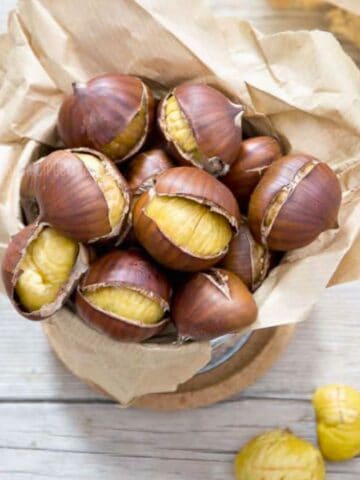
<point x="298" y="85"/>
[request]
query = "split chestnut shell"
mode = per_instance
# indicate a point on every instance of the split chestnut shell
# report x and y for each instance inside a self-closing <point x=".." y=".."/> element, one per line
<point x="255" y="156"/>
<point x="125" y="296"/>
<point x="211" y="304"/>
<point x="202" y="127"/>
<point x="247" y="258"/>
<point x="110" y="113"/>
<point x="297" y="199"/>
<point x="41" y="264"/>
<point x="81" y="193"/>
<point x="186" y="221"/>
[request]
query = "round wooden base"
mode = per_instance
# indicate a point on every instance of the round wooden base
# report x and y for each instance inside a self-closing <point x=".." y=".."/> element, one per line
<point x="252" y="361"/>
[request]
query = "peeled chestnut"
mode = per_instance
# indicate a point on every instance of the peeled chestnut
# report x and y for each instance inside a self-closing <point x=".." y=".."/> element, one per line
<point x="247" y="258"/>
<point x="254" y="157"/>
<point x="40" y="269"/>
<point x="187" y="219"/>
<point x="279" y="455"/>
<point x="144" y="168"/>
<point x="202" y="126"/>
<point x="110" y="113"/>
<point x="211" y="304"/>
<point x="81" y="193"/>
<point x="124" y="295"/>
<point x="297" y="199"/>
<point x="337" y="409"/>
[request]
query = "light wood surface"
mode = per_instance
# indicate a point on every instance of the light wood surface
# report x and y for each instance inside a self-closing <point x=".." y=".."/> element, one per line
<point x="53" y="426"/>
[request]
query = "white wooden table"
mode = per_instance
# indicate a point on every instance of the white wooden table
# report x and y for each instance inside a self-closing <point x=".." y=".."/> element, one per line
<point x="52" y="426"/>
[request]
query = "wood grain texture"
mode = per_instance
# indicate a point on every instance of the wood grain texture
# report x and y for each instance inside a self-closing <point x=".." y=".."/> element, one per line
<point x="324" y="349"/>
<point x="102" y="441"/>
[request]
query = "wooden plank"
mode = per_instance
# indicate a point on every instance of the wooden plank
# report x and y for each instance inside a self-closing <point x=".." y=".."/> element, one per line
<point x="93" y="441"/>
<point x="324" y="349"/>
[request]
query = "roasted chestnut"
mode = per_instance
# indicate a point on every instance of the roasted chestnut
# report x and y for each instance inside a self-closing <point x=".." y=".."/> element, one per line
<point x="279" y="455"/>
<point x="81" y="193"/>
<point x="211" y="304"/>
<point x="187" y="219"/>
<point x="40" y="269"/>
<point x="247" y="258"/>
<point x="202" y="126"/>
<point x="143" y="168"/>
<point x="125" y="296"/>
<point x="255" y="155"/>
<point x="337" y="409"/>
<point x="110" y="113"/>
<point x="297" y="199"/>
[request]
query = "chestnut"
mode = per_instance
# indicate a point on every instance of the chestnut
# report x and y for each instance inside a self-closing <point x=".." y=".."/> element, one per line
<point x="202" y="126"/>
<point x="143" y="168"/>
<point x="254" y="157"/>
<point x="187" y="219"/>
<point x="297" y="199"/>
<point x="247" y="258"/>
<point x="111" y="113"/>
<point x="211" y="304"/>
<point x="40" y="269"/>
<point x="81" y="193"/>
<point x="125" y="296"/>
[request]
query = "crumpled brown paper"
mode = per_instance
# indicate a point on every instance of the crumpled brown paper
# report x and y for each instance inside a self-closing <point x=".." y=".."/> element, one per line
<point x="351" y="5"/>
<point x="301" y="86"/>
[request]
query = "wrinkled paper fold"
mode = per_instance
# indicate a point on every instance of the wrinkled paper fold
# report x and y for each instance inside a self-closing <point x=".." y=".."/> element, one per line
<point x="299" y="86"/>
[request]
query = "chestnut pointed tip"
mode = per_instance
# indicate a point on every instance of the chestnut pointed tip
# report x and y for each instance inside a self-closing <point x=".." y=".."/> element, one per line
<point x="78" y="87"/>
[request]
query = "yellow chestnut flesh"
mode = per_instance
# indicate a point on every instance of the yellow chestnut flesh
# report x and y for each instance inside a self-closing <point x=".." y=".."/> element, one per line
<point x="179" y="130"/>
<point x="337" y="410"/>
<point x="127" y="304"/>
<point x="108" y="186"/>
<point x="46" y="267"/>
<point x="126" y="140"/>
<point x="279" y="455"/>
<point x="202" y="232"/>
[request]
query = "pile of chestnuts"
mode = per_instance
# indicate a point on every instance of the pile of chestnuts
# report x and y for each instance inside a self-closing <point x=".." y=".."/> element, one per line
<point x="143" y="222"/>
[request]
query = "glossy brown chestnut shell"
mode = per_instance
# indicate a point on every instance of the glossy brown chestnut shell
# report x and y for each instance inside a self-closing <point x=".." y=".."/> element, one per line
<point x="297" y="199"/>
<point x="191" y="183"/>
<point x="69" y="198"/>
<point x="11" y="271"/>
<point x="215" y="123"/>
<point x="129" y="269"/>
<point x="211" y="304"/>
<point x="255" y="156"/>
<point x="247" y="258"/>
<point x="98" y="113"/>
<point x="143" y="168"/>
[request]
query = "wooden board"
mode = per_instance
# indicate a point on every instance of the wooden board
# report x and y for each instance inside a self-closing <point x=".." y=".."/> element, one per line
<point x="52" y="441"/>
<point x="252" y="361"/>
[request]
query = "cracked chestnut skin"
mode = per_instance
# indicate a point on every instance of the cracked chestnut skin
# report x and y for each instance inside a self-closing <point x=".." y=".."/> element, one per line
<point x="186" y="182"/>
<point x="98" y="115"/>
<point x="310" y="208"/>
<point x="212" y="303"/>
<point x="69" y="198"/>
<point x="10" y="269"/>
<point x="250" y="260"/>
<point x="129" y="269"/>
<point x="214" y="122"/>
